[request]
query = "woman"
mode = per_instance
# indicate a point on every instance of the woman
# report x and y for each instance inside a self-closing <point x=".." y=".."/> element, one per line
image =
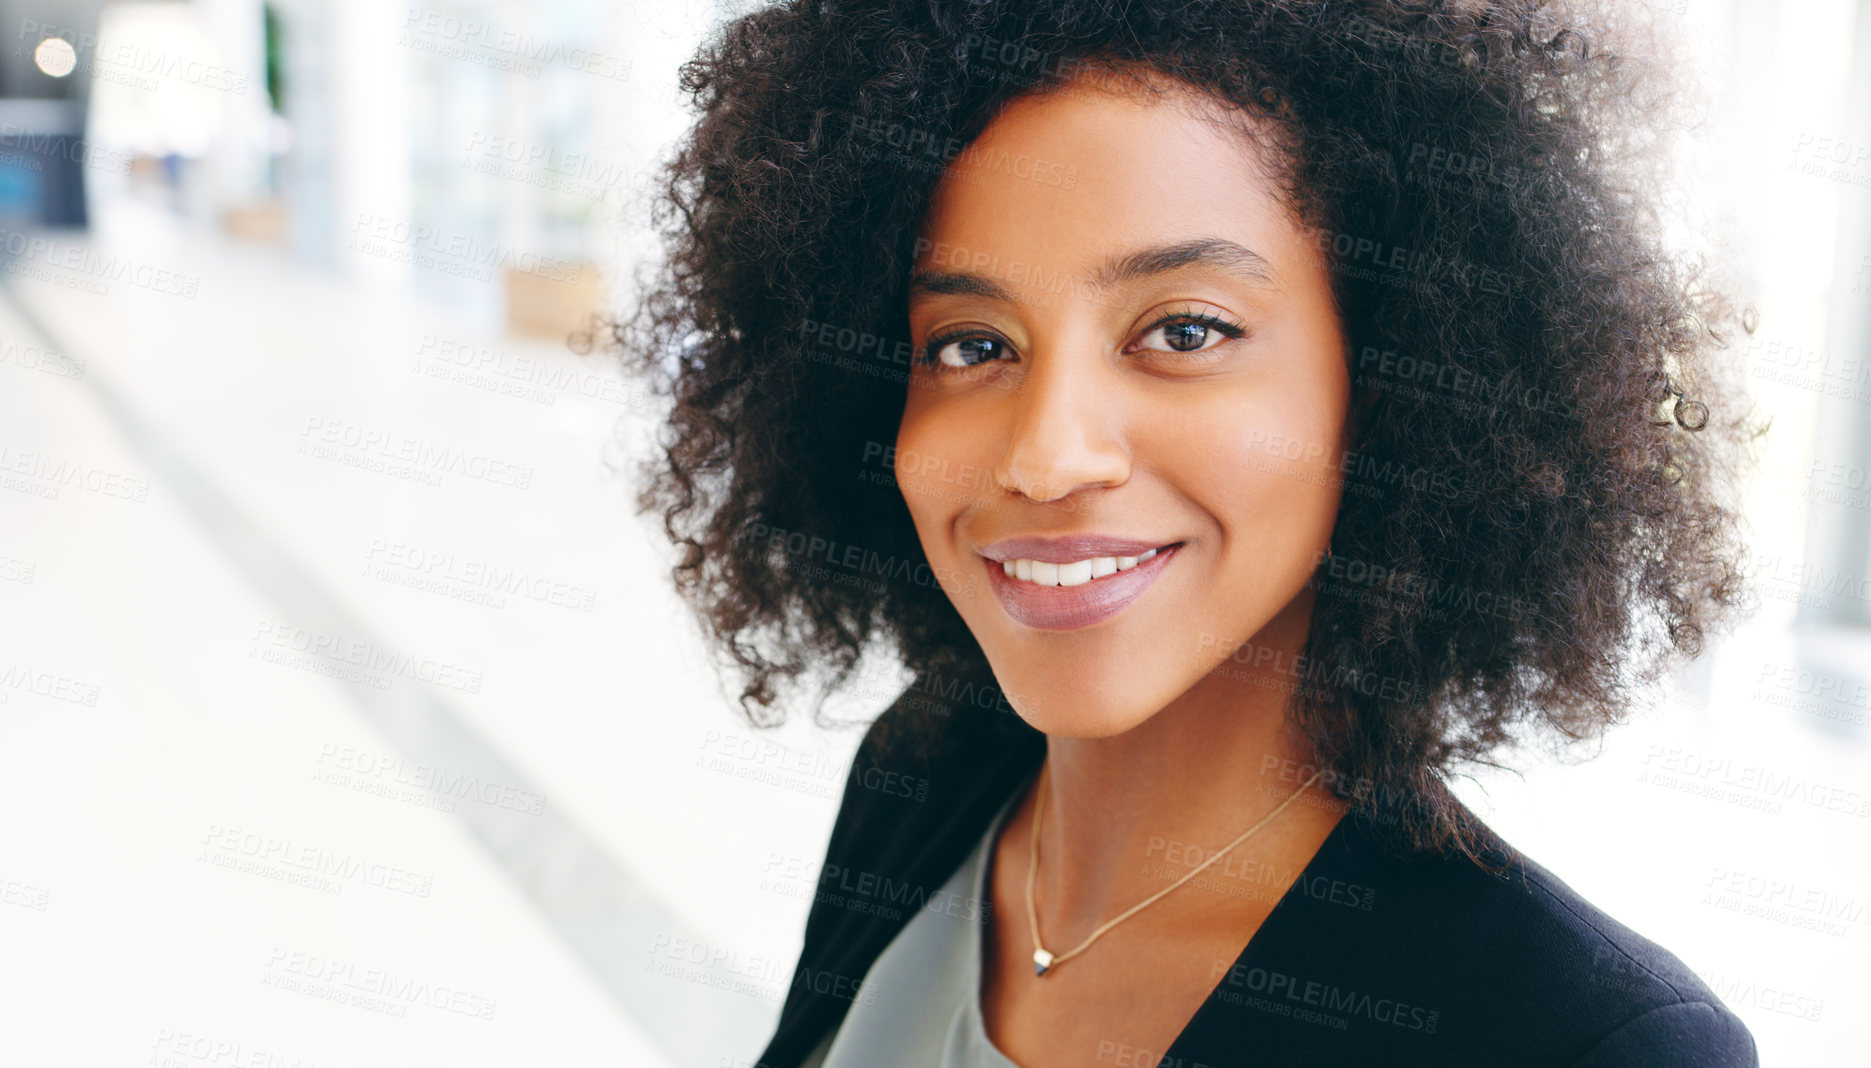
<point x="1239" y="415"/>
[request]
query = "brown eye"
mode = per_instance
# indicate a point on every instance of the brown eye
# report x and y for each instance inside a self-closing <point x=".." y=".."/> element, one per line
<point x="962" y="352"/>
<point x="1190" y="333"/>
<point x="1187" y="337"/>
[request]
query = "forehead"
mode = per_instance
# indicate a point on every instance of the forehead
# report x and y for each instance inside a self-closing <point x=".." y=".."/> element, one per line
<point x="1067" y="175"/>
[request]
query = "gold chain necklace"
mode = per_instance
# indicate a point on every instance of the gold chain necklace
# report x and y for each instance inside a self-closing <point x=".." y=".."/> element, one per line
<point x="1044" y="961"/>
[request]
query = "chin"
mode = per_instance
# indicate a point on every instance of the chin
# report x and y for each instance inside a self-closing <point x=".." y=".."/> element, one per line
<point x="1079" y="704"/>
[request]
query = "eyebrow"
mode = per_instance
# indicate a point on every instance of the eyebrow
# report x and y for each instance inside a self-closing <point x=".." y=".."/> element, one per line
<point x="1219" y="252"/>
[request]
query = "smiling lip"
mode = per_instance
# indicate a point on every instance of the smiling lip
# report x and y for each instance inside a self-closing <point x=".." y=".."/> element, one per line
<point x="1066" y="549"/>
<point x="1072" y="607"/>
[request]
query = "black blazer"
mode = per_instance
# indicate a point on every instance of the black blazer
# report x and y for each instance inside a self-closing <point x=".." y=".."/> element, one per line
<point x="1375" y="956"/>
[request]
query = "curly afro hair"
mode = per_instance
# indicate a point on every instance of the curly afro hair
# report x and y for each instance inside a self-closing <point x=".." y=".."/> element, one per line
<point x="1538" y="520"/>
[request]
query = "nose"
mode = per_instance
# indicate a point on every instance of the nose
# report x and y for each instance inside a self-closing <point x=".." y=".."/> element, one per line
<point x="1065" y="431"/>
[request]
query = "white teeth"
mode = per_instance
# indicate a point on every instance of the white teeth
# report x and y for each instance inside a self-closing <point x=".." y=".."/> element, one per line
<point x="1076" y="573"/>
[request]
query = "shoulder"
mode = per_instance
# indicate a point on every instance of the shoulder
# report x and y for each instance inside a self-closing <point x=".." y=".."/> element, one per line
<point x="1518" y="954"/>
<point x="925" y="782"/>
<point x="1658" y="1011"/>
<point x="927" y="776"/>
<point x="1690" y="1034"/>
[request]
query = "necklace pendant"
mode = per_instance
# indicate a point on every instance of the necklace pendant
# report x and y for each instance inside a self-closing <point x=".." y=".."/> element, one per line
<point x="1042" y="960"/>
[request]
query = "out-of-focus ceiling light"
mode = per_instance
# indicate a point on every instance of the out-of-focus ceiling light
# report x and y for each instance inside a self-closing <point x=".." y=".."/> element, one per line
<point x="55" y="56"/>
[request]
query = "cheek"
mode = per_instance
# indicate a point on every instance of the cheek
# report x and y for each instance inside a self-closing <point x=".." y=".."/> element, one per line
<point x="1266" y="469"/>
<point x="935" y="465"/>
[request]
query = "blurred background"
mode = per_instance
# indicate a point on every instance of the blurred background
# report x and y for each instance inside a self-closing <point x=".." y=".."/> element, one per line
<point x="346" y="715"/>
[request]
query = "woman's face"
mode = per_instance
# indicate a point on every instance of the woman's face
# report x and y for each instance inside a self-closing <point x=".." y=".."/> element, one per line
<point x="1135" y="347"/>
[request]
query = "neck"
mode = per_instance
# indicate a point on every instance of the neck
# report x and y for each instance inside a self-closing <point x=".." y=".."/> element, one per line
<point x="1128" y="814"/>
